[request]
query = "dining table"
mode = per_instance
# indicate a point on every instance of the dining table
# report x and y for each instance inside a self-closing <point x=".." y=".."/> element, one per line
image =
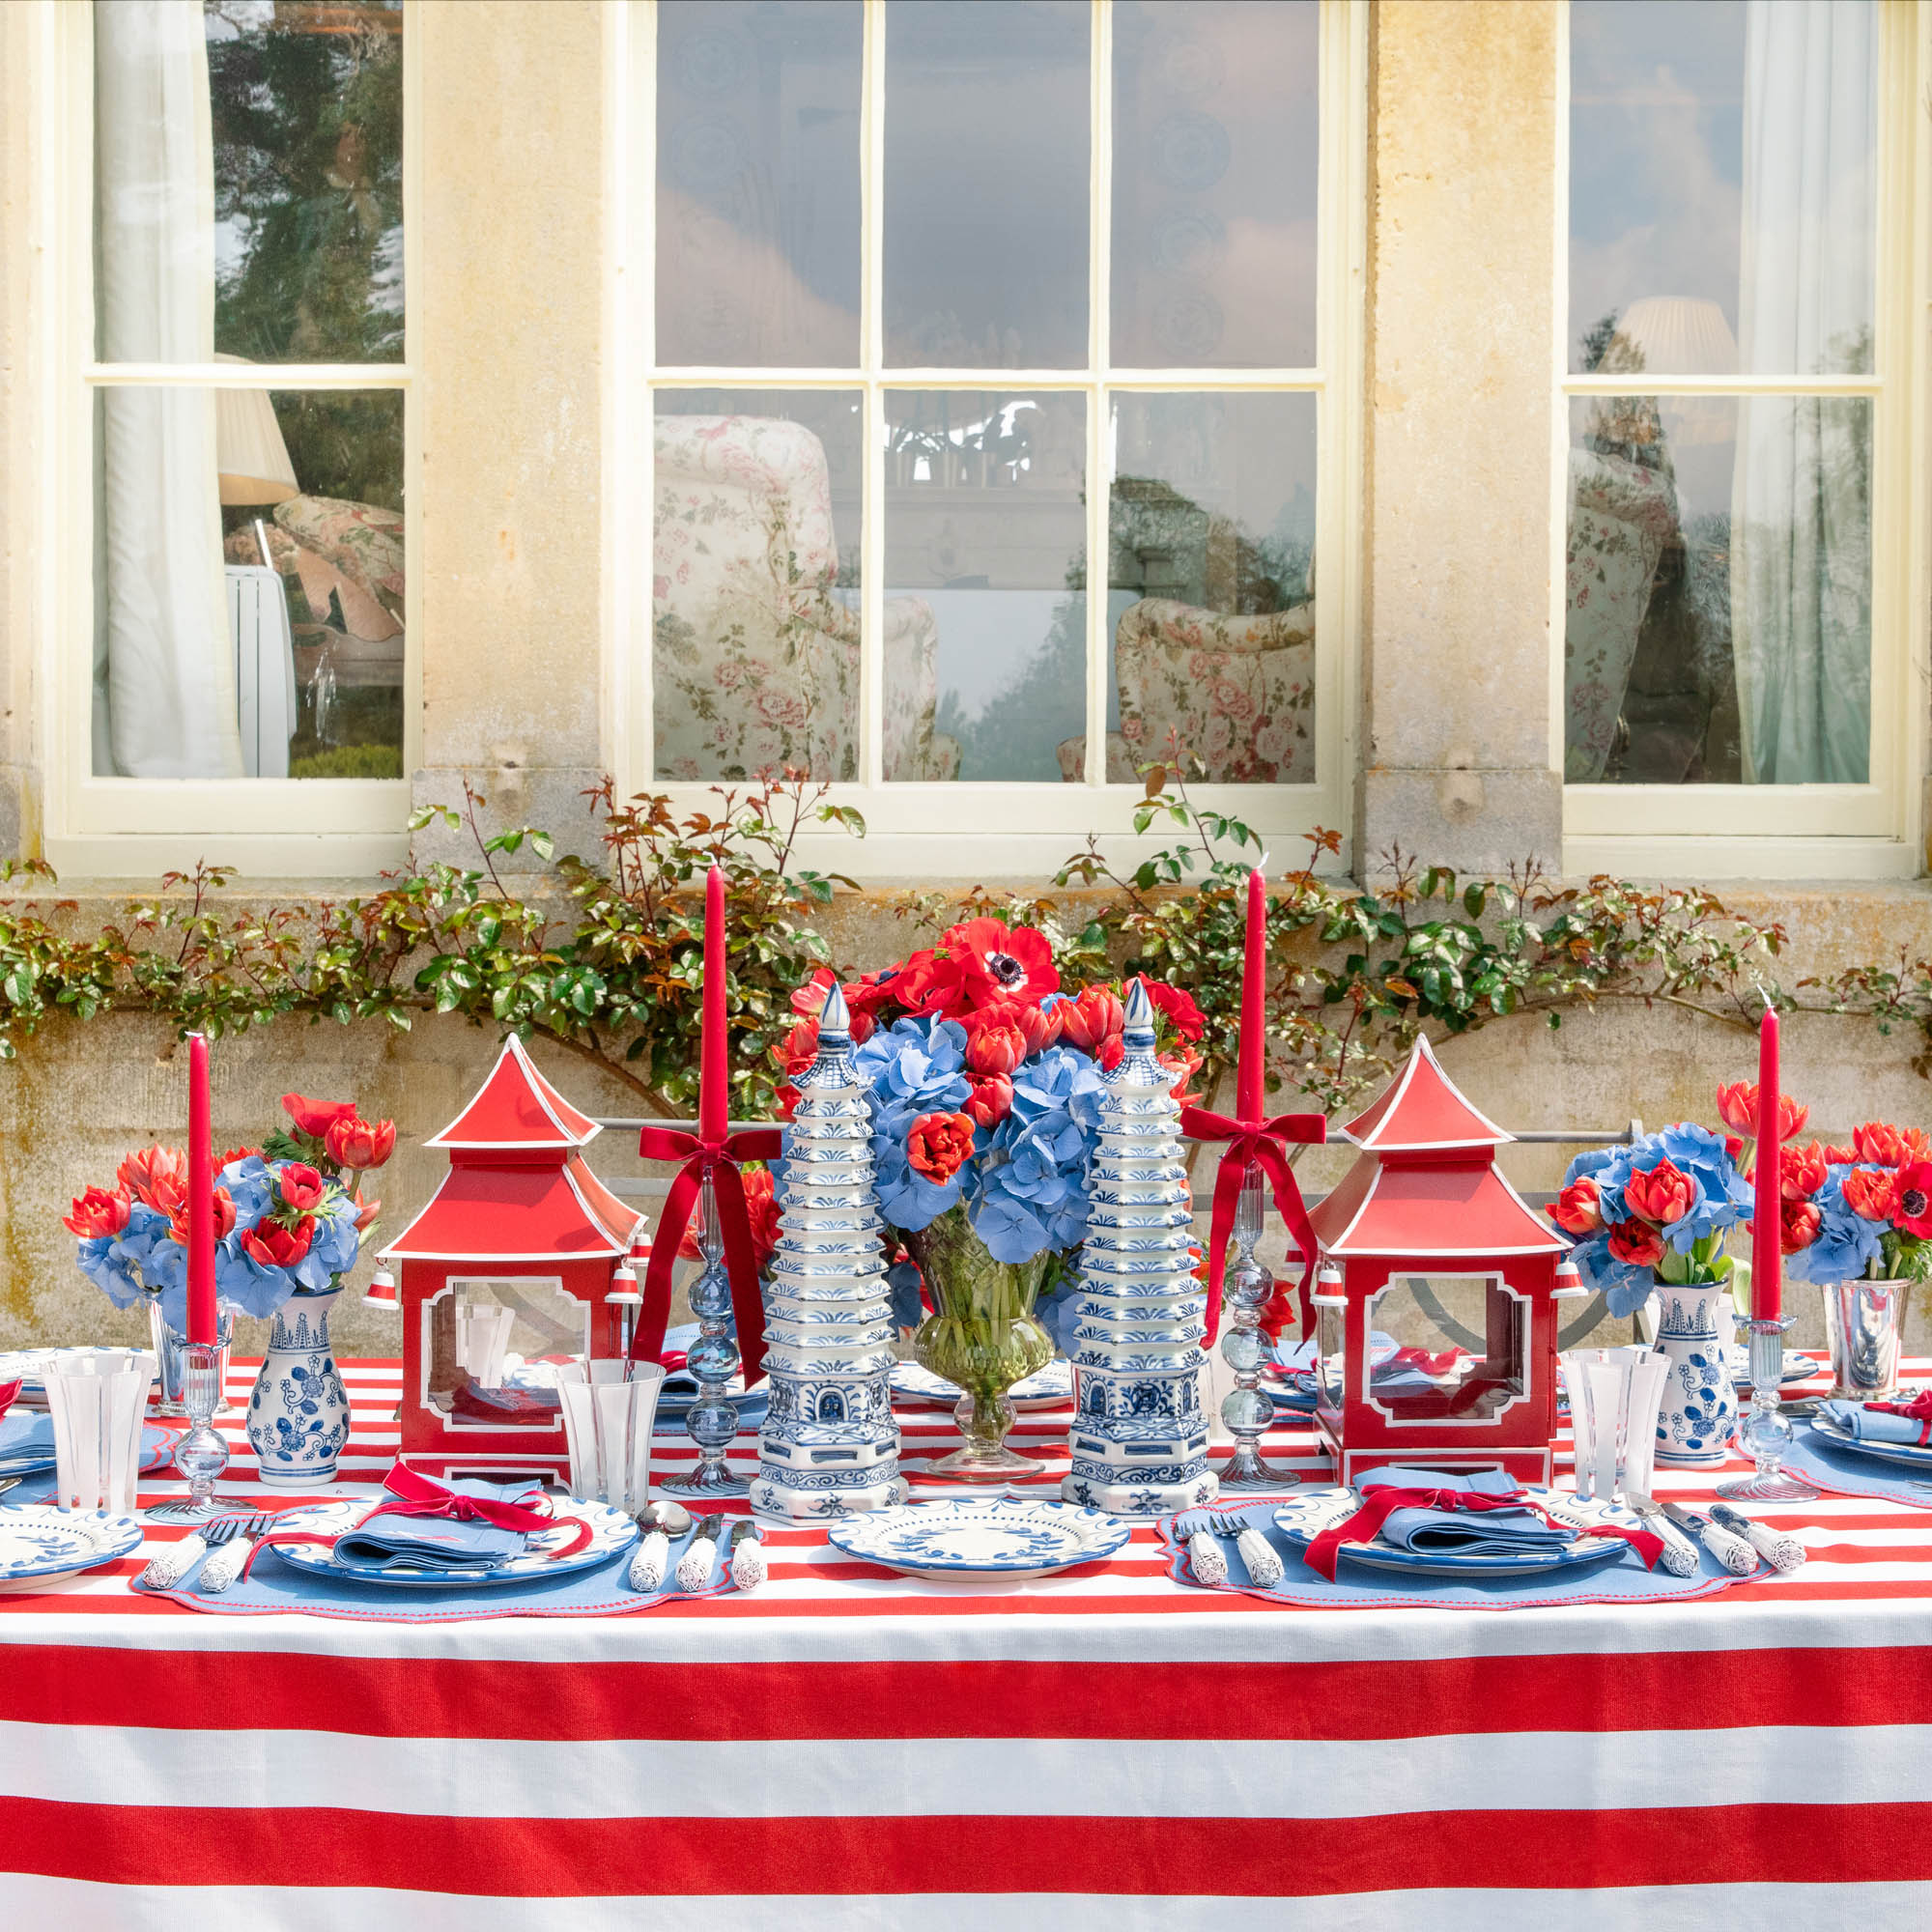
<point x="847" y="1747"/>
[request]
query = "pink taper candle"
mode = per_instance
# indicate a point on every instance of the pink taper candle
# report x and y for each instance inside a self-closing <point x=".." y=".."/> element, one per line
<point x="200" y="1197"/>
<point x="1254" y="1011"/>
<point x="1767" y="1215"/>
<point x="713" y="1085"/>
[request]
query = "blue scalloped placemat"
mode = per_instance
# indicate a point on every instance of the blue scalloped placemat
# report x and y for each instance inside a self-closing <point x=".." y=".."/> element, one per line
<point x="1303" y="1590"/>
<point x="156" y="1456"/>
<point x="273" y="1588"/>
<point x="1846" y="1474"/>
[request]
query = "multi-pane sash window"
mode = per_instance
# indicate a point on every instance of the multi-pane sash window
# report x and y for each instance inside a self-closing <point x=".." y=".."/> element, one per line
<point x="944" y="308"/>
<point x="245" y="365"/>
<point x="1733" y="434"/>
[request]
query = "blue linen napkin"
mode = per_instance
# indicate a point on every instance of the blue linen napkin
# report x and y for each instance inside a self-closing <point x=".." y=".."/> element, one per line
<point x="1492" y="1533"/>
<point x="26" y="1439"/>
<point x="440" y="1541"/>
<point x="1868" y="1425"/>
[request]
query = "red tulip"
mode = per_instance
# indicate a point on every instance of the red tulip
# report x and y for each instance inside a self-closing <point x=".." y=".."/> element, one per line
<point x="97" y="1213"/>
<point x="224" y="1218"/>
<point x="1637" y="1242"/>
<point x="1914" y="1191"/>
<point x="995" y="1049"/>
<point x="1840" y="1156"/>
<point x="298" y="1185"/>
<point x="991" y="1099"/>
<point x="276" y="1246"/>
<point x="1870" y="1193"/>
<point x="140" y="1171"/>
<point x="234" y="1154"/>
<point x="355" y="1142"/>
<point x="1661" y="1195"/>
<point x="366" y="1214"/>
<point x="1037" y="1026"/>
<point x="1799" y="1225"/>
<point x="1087" y="1021"/>
<point x="1801" y="1172"/>
<point x="1737" y="1104"/>
<point x="799" y="1048"/>
<point x="315" y="1118"/>
<point x="1579" y="1208"/>
<point x="1111" y="1052"/>
<point x="1886" y="1146"/>
<point x="1183" y="1062"/>
<point x="939" y="1145"/>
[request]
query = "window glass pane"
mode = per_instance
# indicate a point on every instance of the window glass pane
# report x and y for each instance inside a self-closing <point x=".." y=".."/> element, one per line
<point x="1719" y="628"/>
<point x="1215" y="136"/>
<point x="248" y="181"/>
<point x="986" y="184"/>
<point x="757" y="181"/>
<point x="211" y="658"/>
<point x="1211" y="587"/>
<point x="1722" y="186"/>
<point x="986" y="644"/>
<point x="754" y="602"/>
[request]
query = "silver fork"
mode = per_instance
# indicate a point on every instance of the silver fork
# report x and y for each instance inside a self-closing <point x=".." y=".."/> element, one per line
<point x="226" y="1564"/>
<point x="174" y="1563"/>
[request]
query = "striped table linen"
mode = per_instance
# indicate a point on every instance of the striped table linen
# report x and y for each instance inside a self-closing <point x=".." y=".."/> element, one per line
<point x="848" y="1749"/>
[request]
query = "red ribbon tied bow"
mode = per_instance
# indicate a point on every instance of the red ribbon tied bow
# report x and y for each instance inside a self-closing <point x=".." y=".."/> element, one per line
<point x="1378" y="1505"/>
<point x="1918" y="1410"/>
<point x="7" y="1392"/>
<point x="720" y="1159"/>
<point x="412" y="1493"/>
<point x="1255" y="1143"/>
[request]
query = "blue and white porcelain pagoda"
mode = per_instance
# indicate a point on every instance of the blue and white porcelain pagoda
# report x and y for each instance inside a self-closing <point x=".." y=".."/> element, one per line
<point x="1139" y="1436"/>
<point x="828" y="1446"/>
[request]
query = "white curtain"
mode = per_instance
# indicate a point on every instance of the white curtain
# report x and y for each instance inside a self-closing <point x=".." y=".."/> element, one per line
<point x="1800" y="522"/>
<point x="163" y="660"/>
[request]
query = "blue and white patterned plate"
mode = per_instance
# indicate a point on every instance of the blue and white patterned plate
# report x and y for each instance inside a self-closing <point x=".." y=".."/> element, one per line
<point x="610" y="1531"/>
<point x="1303" y="1518"/>
<point x="40" y="1545"/>
<point x="1913" y="1455"/>
<point x="1007" y="1538"/>
<point x="1052" y="1386"/>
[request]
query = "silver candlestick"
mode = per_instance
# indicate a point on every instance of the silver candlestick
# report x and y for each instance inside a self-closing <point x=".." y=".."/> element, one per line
<point x="1767" y="1431"/>
<point x="713" y="1358"/>
<point x="1247" y="1409"/>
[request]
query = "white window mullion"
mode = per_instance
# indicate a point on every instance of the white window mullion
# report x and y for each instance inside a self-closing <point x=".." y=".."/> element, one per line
<point x="1100" y="483"/>
<point x="871" y="349"/>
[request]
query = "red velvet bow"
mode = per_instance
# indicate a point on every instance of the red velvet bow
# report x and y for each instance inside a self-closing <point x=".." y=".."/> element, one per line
<point x="721" y="1160"/>
<point x="1918" y="1410"/>
<point x="1378" y="1505"/>
<point x="412" y="1493"/>
<point x="1255" y="1143"/>
<point x="8" y="1391"/>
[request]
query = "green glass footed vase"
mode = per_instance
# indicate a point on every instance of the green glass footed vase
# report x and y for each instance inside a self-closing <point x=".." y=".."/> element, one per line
<point x="982" y="1337"/>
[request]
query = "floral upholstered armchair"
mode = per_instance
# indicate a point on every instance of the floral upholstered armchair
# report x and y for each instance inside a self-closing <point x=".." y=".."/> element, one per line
<point x="756" y="656"/>
<point x="1622" y="514"/>
<point x="1237" y="692"/>
<point x="341" y="565"/>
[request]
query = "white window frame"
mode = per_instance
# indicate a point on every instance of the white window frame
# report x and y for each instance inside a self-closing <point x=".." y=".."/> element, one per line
<point x="1873" y="830"/>
<point x="995" y="829"/>
<point x="107" y="826"/>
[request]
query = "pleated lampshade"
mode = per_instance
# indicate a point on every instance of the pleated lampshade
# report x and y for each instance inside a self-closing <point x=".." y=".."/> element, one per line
<point x="250" y="456"/>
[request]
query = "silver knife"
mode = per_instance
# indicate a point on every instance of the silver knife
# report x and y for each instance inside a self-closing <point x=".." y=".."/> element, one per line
<point x="1778" y="1548"/>
<point x="1679" y="1557"/>
<point x="1732" y="1552"/>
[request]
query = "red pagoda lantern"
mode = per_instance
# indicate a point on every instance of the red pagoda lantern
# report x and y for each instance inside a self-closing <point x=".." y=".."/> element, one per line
<point x="1424" y="1238"/>
<point x="519" y="1264"/>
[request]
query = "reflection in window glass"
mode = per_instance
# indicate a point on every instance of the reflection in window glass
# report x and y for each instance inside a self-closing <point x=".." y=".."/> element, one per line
<point x="282" y="118"/>
<point x="1458" y="1350"/>
<point x="757" y="181"/>
<point x="1210" y="575"/>
<point x="986" y="172"/>
<point x="1215" y="173"/>
<point x="985" y="583"/>
<point x="249" y="599"/>
<point x="1719" y="624"/>
<point x="754" y="602"/>
<point x="1722" y="186"/>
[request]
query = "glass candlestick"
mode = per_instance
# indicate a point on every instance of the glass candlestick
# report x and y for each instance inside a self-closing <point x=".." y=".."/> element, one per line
<point x="713" y="1358"/>
<point x="1766" y="1432"/>
<point x="1247" y="1409"/>
<point x="201" y="1454"/>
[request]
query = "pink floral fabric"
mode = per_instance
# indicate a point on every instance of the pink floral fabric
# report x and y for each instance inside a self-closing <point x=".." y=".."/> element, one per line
<point x="1622" y="514"/>
<point x="364" y="543"/>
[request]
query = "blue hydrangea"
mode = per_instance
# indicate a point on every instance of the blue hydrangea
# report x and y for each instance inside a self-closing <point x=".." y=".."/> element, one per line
<point x="1029" y="1192"/>
<point x="1847" y="1243"/>
<point x="915" y="1066"/>
<point x="1723" y="1195"/>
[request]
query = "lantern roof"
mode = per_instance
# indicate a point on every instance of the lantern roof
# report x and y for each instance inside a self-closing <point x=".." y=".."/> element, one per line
<point x="517" y="1107"/>
<point x="1422" y="1112"/>
<point x="1406" y="1209"/>
<point x="526" y="1212"/>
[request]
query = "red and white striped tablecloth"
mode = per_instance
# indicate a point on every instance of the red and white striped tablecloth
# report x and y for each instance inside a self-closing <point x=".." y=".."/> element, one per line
<point x="849" y="1749"/>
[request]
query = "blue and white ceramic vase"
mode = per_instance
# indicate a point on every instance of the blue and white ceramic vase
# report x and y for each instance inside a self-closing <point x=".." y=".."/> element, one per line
<point x="299" y="1410"/>
<point x="1693" y="1426"/>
